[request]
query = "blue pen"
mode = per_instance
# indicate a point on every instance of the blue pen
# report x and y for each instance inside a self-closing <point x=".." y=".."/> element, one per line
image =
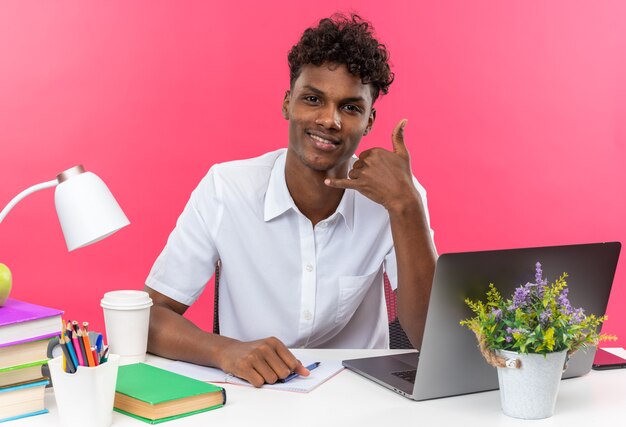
<point x="99" y="343"/>
<point x="293" y="374"/>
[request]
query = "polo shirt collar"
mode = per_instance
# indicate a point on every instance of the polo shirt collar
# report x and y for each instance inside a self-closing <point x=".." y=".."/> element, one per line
<point x="278" y="200"/>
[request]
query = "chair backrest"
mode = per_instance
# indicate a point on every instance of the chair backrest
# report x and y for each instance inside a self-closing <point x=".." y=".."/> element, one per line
<point x="216" y="298"/>
<point x="397" y="337"/>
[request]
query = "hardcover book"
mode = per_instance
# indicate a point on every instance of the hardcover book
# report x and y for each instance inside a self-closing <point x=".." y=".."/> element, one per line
<point x="21" y="373"/>
<point x="22" y="400"/>
<point x="155" y="395"/>
<point x="22" y="321"/>
<point x="24" y="353"/>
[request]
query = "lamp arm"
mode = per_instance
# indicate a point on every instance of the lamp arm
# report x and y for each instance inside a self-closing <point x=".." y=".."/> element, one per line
<point x="25" y="193"/>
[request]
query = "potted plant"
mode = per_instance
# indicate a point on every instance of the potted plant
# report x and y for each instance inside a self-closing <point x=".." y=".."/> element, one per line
<point x="529" y="338"/>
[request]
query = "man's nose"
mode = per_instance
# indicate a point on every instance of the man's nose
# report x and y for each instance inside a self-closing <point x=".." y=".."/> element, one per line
<point x="329" y="118"/>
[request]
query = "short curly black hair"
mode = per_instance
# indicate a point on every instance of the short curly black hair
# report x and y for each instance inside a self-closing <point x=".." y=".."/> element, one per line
<point x="344" y="40"/>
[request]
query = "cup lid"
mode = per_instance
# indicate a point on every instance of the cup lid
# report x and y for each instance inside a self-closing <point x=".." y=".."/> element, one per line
<point x="126" y="299"/>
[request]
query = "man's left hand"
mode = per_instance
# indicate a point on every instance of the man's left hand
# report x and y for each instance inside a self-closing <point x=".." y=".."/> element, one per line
<point x="381" y="175"/>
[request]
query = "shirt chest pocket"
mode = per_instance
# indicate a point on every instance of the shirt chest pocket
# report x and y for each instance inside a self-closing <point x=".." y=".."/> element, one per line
<point x="352" y="290"/>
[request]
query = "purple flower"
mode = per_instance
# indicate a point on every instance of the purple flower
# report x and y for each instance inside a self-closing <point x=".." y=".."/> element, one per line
<point x="539" y="275"/>
<point x="566" y="307"/>
<point x="545" y="316"/>
<point x="541" y="289"/>
<point x="521" y="297"/>
<point x="508" y="338"/>
<point x="497" y="313"/>
<point x="509" y="330"/>
<point x="577" y="317"/>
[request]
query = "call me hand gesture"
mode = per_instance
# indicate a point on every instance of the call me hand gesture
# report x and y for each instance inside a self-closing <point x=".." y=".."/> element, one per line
<point x="381" y="175"/>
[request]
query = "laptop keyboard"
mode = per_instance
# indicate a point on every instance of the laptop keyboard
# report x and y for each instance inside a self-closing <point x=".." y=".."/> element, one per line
<point x="406" y="375"/>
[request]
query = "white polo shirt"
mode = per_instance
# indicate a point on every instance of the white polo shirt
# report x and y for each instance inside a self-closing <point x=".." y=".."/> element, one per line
<point x="309" y="287"/>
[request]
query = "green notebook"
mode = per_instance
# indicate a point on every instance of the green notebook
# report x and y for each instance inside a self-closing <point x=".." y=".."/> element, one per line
<point x="155" y="395"/>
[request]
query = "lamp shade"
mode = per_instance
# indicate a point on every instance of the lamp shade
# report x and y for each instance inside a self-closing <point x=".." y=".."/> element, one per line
<point x="87" y="210"/>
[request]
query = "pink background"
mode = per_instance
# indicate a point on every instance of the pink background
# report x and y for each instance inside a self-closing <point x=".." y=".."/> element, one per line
<point x="517" y="122"/>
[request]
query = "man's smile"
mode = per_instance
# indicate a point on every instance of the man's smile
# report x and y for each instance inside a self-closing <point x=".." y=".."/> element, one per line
<point x="323" y="142"/>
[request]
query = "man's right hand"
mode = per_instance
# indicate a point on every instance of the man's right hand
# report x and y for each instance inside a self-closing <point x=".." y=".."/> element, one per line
<point x="175" y="337"/>
<point x="259" y="362"/>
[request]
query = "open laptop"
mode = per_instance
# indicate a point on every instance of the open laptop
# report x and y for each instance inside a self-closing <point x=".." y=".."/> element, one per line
<point x="449" y="360"/>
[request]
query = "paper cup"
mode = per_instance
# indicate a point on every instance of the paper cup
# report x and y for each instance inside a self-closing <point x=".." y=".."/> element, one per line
<point x="85" y="398"/>
<point x="127" y="318"/>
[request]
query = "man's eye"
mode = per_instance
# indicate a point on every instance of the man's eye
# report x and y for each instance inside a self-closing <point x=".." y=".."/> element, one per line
<point x="352" y="108"/>
<point x="311" y="98"/>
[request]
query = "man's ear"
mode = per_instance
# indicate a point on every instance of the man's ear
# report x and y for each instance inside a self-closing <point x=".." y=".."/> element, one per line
<point x="370" y="122"/>
<point x="286" y="105"/>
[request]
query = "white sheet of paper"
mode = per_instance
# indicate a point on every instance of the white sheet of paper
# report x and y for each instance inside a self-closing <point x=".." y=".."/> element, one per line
<point x="326" y="369"/>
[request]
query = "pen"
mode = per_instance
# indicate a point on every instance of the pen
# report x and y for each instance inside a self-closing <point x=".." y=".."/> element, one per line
<point x="293" y="374"/>
<point x="99" y="343"/>
<point x="105" y="356"/>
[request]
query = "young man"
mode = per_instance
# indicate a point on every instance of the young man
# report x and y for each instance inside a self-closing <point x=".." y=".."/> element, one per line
<point x="303" y="234"/>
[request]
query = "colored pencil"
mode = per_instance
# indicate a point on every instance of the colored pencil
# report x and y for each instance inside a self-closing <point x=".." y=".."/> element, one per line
<point x="67" y="359"/>
<point x="94" y="355"/>
<point x="61" y="343"/>
<point x="83" y="350"/>
<point x="77" y="349"/>
<point x="87" y="346"/>
<point x="70" y="350"/>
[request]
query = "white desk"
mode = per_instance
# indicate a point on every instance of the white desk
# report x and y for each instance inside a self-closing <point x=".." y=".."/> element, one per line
<point x="348" y="399"/>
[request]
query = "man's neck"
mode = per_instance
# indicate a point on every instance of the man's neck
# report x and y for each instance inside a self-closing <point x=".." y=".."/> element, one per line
<point x="313" y="198"/>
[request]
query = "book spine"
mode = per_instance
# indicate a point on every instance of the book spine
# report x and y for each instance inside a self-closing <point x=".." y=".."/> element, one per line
<point x="25" y="365"/>
<point x="44" y="382"/>
<point x="37" y="338"/>
<point x="29" y="414"/>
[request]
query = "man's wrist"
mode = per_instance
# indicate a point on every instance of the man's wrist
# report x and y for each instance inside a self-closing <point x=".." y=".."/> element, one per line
<point x="220" y="347"/>
<point x="411" y="204"/>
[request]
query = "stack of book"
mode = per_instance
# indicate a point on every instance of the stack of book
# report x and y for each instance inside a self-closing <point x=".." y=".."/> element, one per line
<point x="25" y="331"/>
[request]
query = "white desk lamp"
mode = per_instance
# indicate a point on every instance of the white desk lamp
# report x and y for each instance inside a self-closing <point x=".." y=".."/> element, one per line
<point x="87" y="210"/>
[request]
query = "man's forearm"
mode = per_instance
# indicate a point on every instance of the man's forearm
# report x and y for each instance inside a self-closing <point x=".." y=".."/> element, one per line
<point x="416" y="259"/>
<point x="173" y="336"/>
<point x="259" y="362"/>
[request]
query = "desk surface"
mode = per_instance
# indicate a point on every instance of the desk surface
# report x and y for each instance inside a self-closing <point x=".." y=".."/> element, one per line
<point x="349" y="399"/>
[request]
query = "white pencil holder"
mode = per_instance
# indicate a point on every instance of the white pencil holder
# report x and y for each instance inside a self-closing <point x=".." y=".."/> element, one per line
<point x="85" y="398"/>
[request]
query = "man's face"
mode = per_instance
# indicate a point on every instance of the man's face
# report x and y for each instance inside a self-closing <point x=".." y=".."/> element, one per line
<point x="329" y="110"/>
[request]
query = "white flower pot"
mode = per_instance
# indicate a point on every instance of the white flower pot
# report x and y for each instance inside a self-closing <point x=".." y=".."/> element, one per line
<point x="529" y="392"/>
